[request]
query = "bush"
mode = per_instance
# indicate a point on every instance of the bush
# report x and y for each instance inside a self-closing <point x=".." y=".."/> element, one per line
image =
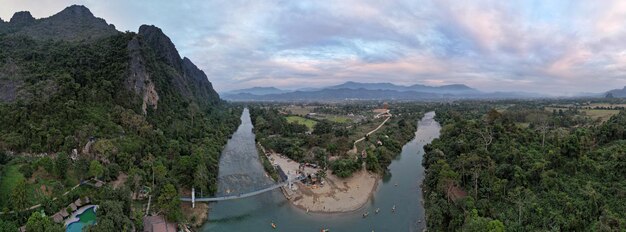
<point x="345" y="167"/>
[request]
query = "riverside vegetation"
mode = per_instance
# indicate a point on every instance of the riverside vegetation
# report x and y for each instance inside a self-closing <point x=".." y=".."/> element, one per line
<point x="335" y="138"/>
<point x="519" y="166"/>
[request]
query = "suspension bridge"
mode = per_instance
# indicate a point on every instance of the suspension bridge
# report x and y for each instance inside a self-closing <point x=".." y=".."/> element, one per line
<point x="193" y="199"/>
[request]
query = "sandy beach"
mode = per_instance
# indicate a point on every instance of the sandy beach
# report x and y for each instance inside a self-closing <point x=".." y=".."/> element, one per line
<point x="336" y="195"/>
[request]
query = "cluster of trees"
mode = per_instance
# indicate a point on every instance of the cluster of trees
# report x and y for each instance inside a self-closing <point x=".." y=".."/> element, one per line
<point x="387" y="143"/>
<point x="275" y="133"/>
<point x="488" y="172"/>
<point x="336" y="139"/>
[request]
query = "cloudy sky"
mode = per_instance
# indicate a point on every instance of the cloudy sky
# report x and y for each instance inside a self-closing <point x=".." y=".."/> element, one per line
<point x="553" y="47"/>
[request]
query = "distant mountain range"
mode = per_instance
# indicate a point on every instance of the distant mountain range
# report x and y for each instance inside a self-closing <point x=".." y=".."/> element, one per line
<point x="368" y="91"/>
<point x="621" y="93"/>
<point x="258" y="91"/>
<point x="444" y="89"/>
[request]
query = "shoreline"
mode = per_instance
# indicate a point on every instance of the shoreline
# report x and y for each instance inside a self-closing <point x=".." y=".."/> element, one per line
<point x="361" y="205"/>
<point x="337" y="195"/>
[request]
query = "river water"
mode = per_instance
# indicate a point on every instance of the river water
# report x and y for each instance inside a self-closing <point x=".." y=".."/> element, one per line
<point x="241" y="170"/>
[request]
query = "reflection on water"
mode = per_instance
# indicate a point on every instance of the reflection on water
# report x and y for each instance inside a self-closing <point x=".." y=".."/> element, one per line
<point x="240" y="170"/>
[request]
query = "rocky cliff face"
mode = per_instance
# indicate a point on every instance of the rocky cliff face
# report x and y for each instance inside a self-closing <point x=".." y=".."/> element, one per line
<point x="161" y="44"/>
<point x="202" y="88"/>
<point x="22" y="18"/>
<point x="9" y="81"/>
<point x="139" y="80"/>
<point x="190" y="81"/>
<point x="154" y="64"/>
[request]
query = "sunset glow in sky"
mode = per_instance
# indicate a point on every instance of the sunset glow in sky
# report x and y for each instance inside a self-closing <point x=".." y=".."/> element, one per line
<point x="551" y="47"/>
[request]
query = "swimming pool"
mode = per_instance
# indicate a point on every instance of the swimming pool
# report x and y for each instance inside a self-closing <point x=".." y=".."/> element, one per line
<point x="87" y="217"/>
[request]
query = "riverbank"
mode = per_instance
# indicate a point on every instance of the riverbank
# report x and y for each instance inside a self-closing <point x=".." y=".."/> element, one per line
<point x="400" y="187"/>
<point x="335" y="195"/>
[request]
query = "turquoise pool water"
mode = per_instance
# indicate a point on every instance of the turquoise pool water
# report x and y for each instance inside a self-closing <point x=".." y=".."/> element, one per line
<point x="86" y="218"/>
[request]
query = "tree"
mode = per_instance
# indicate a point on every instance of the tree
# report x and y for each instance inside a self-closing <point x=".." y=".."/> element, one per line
<point x="38" y="221"/>
<point x="7" y="226"/>
<point x="322" y="127"/>
<point x="112" y="217"/>
<point x="135" y="177"/>
<point x="62" y="164"/>
<point x="169" y="203"/>
<point x="345" y="167"/>
<point x="486" y="133"/>
<point x="201" y="178"/>
<point x="473" y="164"/>
<point x="159" y="172"/>
<point x="480" y="224"/>
<point x="371" y="162"/>
<point x="96" y="169"/>
<point x="448" y="178"/>
<point x="105" y="149"/>
<point x="18" y="196"/>
<point x="47" y="163"/>
<point x="541" y="121"/>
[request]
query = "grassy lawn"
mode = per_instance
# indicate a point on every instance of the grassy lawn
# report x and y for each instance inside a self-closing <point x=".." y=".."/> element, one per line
<point x="300" y="120"/>
<point x="10" y="177"/>
<point x="594" y="114"/>
<point x="601" y="114"/>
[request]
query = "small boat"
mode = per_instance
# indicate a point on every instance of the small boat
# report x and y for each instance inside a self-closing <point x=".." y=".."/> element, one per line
<point x="377" y="210"/>
<point x="365" y="214"/>
<point x="325" y="230"/>
<point x="273" y="225"/>
<point x="393" y="209"/>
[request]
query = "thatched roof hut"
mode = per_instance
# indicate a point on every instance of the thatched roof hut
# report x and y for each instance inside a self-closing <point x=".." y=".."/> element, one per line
<point x="73" y="207"/>
<point x="78" y="202"/>
<point x="57" y="217"/>
<point x="64" y="213"/>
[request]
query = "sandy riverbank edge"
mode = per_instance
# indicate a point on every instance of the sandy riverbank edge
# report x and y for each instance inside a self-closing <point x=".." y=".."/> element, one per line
<point x="335" y="200"/>
<point x="361" y="205"/>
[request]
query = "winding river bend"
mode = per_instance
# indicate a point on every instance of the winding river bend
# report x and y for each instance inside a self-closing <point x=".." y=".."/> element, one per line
<point x="240" y="170"/>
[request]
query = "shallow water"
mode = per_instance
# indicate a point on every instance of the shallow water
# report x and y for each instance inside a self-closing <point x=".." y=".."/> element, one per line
<point x="241" y="170"/>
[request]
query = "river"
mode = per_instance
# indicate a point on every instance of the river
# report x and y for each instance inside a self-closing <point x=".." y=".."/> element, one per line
<point x="241" y="170"/>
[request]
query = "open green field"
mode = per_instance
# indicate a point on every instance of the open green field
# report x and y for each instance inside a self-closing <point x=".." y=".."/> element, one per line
<point x="594" y="114"/>
<point x="603" y="115"/>
<point x="10" y="177"/>
<point x="300" y="120"/>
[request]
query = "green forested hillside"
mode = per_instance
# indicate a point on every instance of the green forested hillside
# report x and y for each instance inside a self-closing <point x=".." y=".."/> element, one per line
<point x="525" y="169"/>
<point x="113" y="104"/>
